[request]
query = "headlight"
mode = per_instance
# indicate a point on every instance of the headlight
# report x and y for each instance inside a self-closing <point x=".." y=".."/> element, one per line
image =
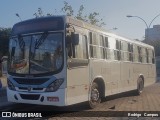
<point x="55" y="85"/>
<point x="10" y="85"/>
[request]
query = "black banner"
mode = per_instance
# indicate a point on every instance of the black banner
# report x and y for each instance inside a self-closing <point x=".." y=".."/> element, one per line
<point x="40" y="114"/>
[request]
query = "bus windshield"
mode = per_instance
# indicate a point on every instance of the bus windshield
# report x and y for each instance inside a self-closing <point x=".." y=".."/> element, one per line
<point x="36" y="53"/>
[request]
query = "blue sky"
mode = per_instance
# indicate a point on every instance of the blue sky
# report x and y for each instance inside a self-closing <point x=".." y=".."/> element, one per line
<point x="112" y="11"/>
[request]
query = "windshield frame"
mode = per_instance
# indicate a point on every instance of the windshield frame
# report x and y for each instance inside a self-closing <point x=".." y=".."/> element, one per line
<point x="39" y="74"/>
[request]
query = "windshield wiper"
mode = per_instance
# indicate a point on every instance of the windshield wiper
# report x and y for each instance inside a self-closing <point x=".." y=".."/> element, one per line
<point x="21" y="42"/>
<point x="41" y="40"/>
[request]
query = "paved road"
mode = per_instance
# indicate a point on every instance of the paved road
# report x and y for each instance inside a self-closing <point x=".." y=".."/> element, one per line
<point x="149" y="100"/>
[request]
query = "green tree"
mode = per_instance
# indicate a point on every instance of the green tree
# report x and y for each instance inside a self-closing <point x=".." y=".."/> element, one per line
<point x="93" y="17"/>
<point x="39" y="13"/>
<point x="67" y="9"/>
<point x="4" y="41"/>
<point x="80" y="15"/>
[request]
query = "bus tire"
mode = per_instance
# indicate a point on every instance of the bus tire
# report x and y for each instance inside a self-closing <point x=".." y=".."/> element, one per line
<point x="95" y="98"/>
<point x="140" y="86"/>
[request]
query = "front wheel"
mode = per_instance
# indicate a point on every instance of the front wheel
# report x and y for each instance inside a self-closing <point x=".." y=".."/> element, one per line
<point x="95" y="98"/>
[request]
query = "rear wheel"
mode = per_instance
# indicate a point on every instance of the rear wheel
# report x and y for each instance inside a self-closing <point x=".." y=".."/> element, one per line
<point x="95" y="98"/>
<point x="140" y="86"/>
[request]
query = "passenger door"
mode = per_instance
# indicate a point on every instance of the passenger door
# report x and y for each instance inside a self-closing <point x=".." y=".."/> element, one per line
<point x="78" y="73"/>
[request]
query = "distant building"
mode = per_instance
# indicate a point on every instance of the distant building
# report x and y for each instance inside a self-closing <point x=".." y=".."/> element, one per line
<point x="158" y="66"/>
<point x="152" y="37"/>
<point x="153" y="34"/>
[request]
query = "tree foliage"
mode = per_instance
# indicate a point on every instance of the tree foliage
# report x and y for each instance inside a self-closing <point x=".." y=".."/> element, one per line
<point x="80" y="15"/>
<point x="4" y="41"/>
<point x="67" y="9"/>
<point x="39" y="13"/>
<point x="92" y="18"/>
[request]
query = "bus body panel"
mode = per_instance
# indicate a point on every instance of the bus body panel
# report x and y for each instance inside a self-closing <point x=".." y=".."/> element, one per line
<point x="127" y="80"/>
<point x="101" y="69"/>
<point x="77" y="84"/>
<point x="151" y="74"/>
<point x="55" y="98"/>
<point x="115" y="76"/>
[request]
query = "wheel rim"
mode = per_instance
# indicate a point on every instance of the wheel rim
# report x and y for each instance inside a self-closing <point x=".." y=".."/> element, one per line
<point x="94" y="95"/>
<point x="140" y="85"/>
<point x="95" y="98"/>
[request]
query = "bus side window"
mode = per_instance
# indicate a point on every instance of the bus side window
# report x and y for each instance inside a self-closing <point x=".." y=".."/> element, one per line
<point x="130" y="49"/>
<point x="124" y="52"/>
<point x="85" y="48"/>
<point x="153" y="58"/>
<point x="117" y="50"/>
<point x="139" y="54"/>
<point x="102" y="47"/>
<point x="135" y="53"/>
<point x="93" y="45"/>
<point x="143" y="55"/>
<point x="101" y="40"/>
<point x="80" y="50"/>
<point x="107" y="51"/>
<point x="147" y="56"/>
<point x="106" y="42"/>
<point x="90" y="42"/>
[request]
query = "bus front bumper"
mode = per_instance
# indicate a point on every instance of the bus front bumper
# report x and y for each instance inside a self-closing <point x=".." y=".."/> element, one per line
<point x="44" y="98"/>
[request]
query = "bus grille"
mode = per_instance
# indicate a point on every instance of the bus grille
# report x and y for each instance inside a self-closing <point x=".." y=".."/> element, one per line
<point x="30" y="97"/>
<point x="25" y="88"/>
<point x="31" y="81"/>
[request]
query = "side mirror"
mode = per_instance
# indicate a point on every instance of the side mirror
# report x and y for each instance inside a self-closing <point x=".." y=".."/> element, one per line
<point x="75" y="39"/>
<point x="68" y="39"/>
<point x="71" y="41"/>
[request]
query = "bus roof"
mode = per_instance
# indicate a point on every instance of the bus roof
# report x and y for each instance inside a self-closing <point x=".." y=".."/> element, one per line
<point x="44" y="22"/>
<point x="86" y="25"/>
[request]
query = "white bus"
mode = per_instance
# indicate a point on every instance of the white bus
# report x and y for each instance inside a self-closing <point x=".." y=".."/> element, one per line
<point x="62" y="61"/>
